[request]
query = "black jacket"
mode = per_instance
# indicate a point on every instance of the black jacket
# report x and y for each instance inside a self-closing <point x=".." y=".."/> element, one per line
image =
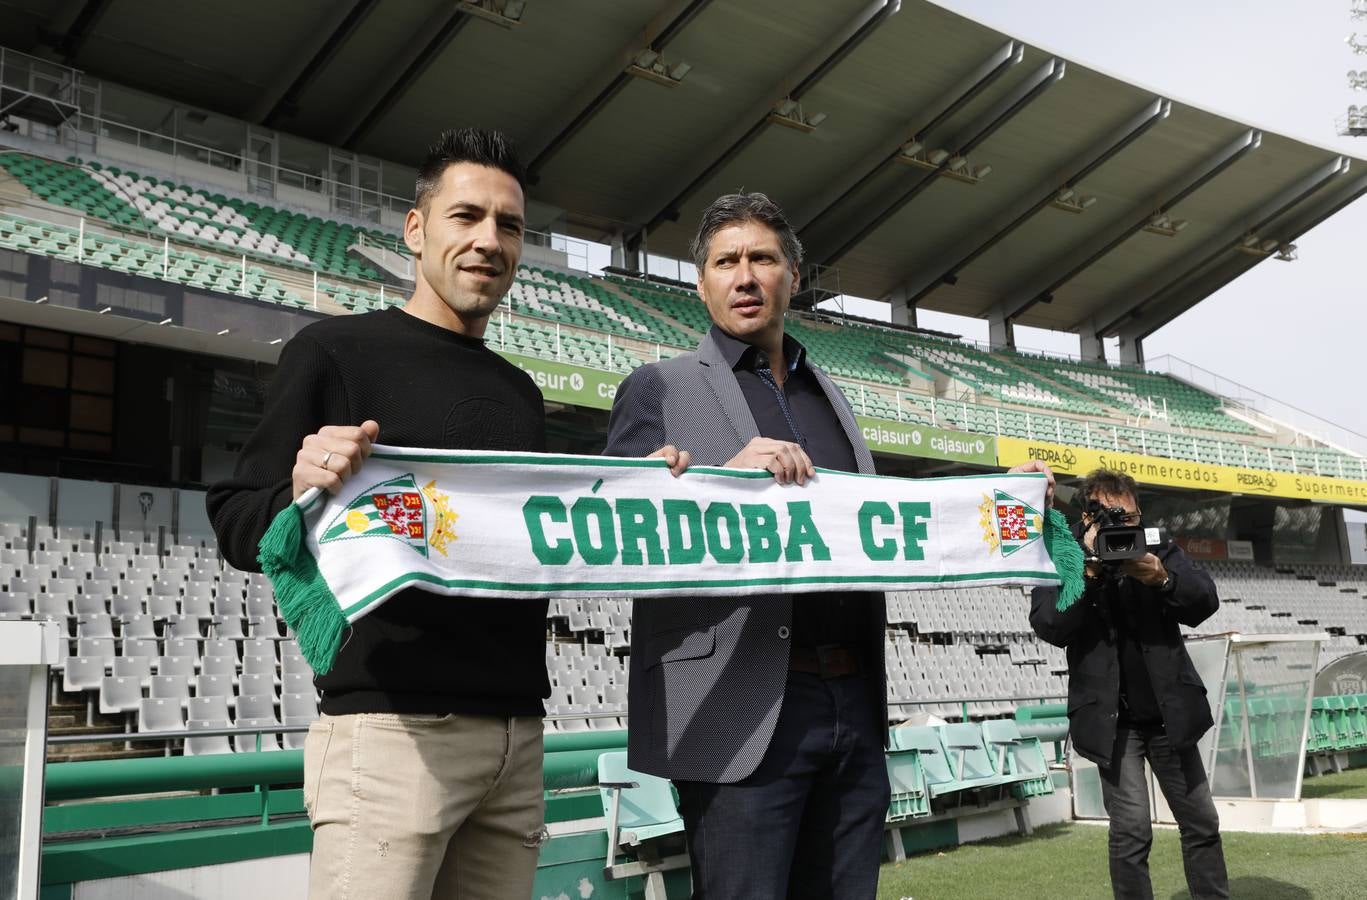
<point x="1086" y="632"/>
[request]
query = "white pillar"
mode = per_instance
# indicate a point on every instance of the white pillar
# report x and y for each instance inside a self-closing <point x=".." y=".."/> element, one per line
<point x="1090" y="347"/>
<point x="1131" y="352"/>
<point x="999" y="331"/>
<point x="903" y="312"/>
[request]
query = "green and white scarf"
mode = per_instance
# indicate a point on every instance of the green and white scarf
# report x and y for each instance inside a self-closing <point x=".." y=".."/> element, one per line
<point x="486" y="524"/>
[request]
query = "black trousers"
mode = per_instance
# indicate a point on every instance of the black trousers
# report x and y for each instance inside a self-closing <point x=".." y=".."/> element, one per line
<point x="1125" y="791"/>
<point x="808" y="822"/>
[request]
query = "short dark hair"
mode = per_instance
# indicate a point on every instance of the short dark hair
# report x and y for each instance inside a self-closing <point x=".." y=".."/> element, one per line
<point x="466" y="145"/>
<point x="1109" y="482"/>
<point x="731" y="209"/>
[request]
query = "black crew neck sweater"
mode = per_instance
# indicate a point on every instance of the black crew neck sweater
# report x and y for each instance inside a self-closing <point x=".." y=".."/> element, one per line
<point x="426" y="387"/>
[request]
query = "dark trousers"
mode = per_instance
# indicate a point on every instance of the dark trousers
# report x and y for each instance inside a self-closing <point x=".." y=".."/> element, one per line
<point x="1125" y="791"/>
<point x="808" y="822"/>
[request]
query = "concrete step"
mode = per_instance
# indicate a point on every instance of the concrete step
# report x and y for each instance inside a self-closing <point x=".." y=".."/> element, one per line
<point x="646" y="308"/>
<point x="93" y="752"/>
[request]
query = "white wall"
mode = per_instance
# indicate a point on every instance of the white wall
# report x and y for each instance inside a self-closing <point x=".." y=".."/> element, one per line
<point x="1357" y="542"/>
<point x="22" y="496"/>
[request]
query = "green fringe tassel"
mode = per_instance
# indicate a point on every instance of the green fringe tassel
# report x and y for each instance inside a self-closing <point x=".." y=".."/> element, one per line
<point x="1067" y="556"/>
<point x="306" y="602"/>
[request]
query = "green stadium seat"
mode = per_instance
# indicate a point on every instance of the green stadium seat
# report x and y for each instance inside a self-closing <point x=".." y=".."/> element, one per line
<point x="642" y="818"/>
<point x="909" y="799"/>
<point x="941" y="779"/>
<point x="1018" y="757"/>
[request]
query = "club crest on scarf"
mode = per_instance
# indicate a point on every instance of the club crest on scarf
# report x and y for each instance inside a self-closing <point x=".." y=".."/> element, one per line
<point x="398" y="509"/>
<point x="1008" y="524"/>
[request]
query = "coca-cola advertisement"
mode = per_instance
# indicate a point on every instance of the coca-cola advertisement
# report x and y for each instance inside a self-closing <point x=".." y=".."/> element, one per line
<point x="1203" y="548"/>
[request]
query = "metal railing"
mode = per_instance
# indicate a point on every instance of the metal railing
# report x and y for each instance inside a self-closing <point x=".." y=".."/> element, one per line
<point x="84" y="131"/>
<point x="1262" y="406"/>
<point x="571" y="761"/>
<point x="155" y="737"/>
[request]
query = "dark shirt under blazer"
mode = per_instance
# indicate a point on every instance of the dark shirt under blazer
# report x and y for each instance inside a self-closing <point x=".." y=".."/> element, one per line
<point x="799" y="412"/>
<point x="708" y="673"/>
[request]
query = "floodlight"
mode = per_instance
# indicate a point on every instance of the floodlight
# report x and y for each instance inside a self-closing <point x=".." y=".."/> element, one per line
<point x="503" y="13"/>
<point x="1177" y="224"/>
<point x="1064" y="195"/>
<point x="1268" y="245"/>
<point x="982" y="171"/>
<point x="1087" y="202"/>
<point x="957" y="163"/>
<point x="816" y="119"/>
<point x="648" y="64"/>
<point x="912" y="147"/>
<point x="786" y="106"/>
<point x="937" y="156"/>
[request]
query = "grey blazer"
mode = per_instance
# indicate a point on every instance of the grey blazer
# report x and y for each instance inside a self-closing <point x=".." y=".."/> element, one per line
<point x="708" y="673"/>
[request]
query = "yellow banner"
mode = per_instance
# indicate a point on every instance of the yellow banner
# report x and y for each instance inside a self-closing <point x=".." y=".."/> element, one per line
<point x="1182" y="473"/>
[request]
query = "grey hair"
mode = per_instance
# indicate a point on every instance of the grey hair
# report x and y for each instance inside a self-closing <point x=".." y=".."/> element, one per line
<point x="732" y="209"/>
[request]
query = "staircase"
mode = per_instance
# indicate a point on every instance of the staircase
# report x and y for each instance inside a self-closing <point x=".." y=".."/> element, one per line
<point x="67" y="716"/>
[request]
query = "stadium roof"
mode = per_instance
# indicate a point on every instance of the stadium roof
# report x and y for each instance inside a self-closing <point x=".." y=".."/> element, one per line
<point x="1041" y="190"/>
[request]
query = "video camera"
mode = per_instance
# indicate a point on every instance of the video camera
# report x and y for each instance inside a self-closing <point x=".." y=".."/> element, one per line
<point x="1117" y="541"/>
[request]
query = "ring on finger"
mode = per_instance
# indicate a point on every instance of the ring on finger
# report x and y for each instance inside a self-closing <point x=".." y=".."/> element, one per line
<point x="327" y="457"/>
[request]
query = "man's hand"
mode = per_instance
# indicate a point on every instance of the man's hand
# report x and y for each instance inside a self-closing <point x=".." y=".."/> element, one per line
<point x="786" y="460"/>
<point x="332" y="455"/>
<point x="1035" y="465"/>
<point x="678" y="460"/>
<point x="1092" y="569"/>
<point x="1147" y="568"/>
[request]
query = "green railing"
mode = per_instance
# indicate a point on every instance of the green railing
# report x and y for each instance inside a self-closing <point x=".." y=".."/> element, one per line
<point x="129" y="816"/>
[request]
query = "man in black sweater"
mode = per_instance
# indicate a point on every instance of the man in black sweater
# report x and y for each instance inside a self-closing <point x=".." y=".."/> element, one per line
<point x="423" y="776"/>
<point x="1134" y="695"/>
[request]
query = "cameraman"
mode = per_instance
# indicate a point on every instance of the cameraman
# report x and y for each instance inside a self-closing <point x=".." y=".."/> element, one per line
<point x="1133" y="693"/>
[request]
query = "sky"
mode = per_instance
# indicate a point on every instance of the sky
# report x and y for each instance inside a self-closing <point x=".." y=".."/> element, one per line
<point x="1292" y="331"/>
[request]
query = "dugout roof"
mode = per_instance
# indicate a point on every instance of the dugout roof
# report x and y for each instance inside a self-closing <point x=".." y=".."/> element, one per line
<point x="922" y="154"/>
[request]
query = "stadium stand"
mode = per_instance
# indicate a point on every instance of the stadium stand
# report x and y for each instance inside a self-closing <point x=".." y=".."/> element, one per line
<point x="590" y="304"/>
<point x="155" y="227"/>
<point x="1138" y="391"/>
<point x="677" y="303"/>
<point x="142" y="258"/>
<point x="194" y="216"/>
<point x="164" y="634"/>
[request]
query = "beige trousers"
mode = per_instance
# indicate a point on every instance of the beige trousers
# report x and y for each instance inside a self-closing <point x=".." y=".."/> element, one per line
<point x="412" y="807"/>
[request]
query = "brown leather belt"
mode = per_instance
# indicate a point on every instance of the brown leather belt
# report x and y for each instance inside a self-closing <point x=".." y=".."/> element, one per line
<point x="828" y="660"/>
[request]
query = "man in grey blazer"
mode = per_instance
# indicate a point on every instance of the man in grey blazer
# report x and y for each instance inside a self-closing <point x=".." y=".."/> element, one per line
<point x="768" y="712"/>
